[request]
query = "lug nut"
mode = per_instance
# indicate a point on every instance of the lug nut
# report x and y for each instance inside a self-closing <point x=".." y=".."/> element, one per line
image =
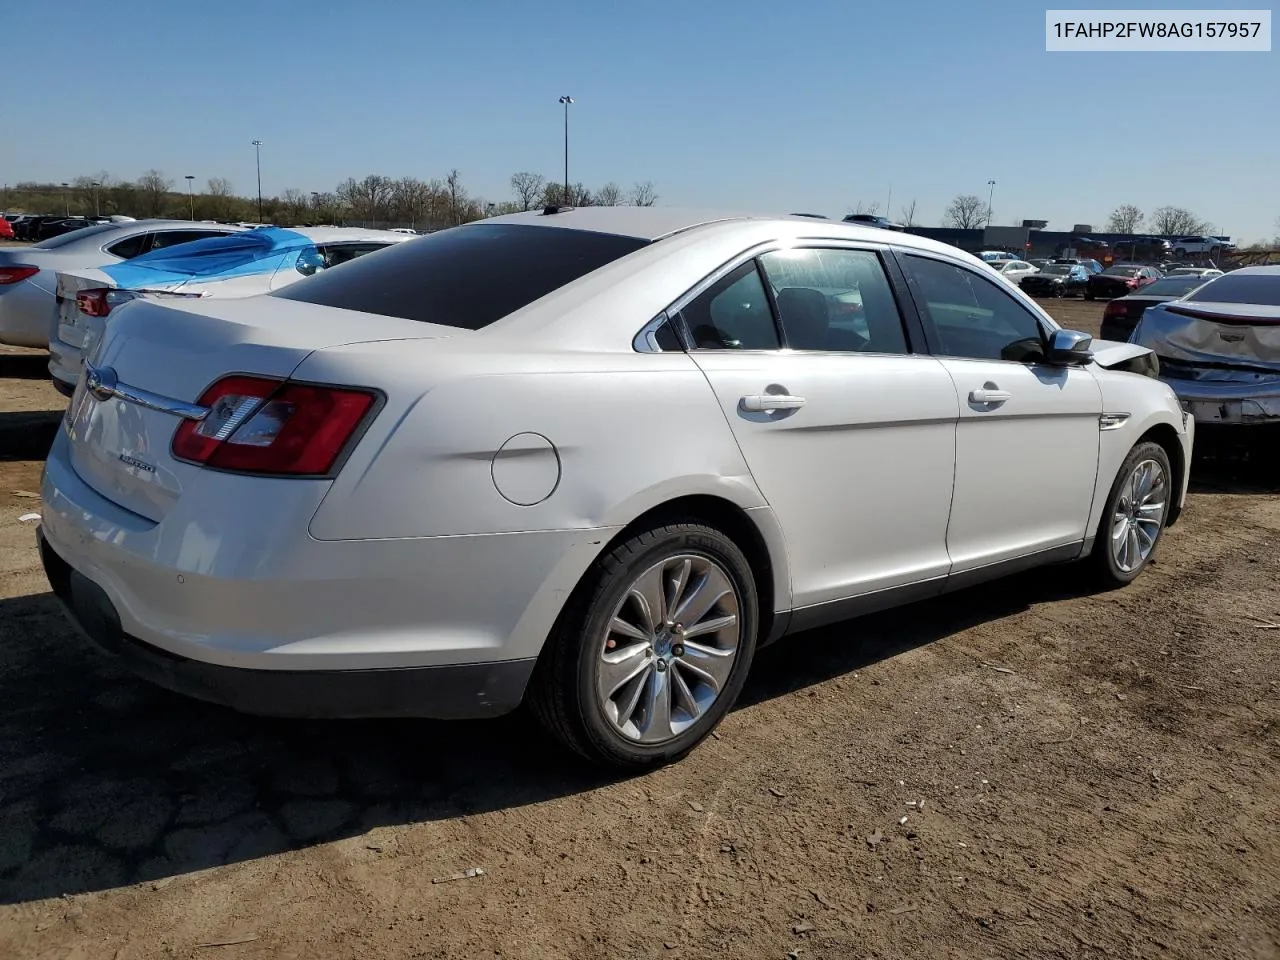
<point x="661" y="665"/>
<point x="678" y="650"/>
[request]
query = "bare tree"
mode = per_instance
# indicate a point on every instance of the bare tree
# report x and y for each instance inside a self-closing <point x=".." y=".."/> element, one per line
<point x="1125" y="218"/>
<point x="294" y="203"/>
<point x="154" y="187"/>
<point x="610" y="195"/>
<point x="865" y="208"/>
<point x="220" y="200"/>
<point x="909" y="214"/>
<point x="1168" y="221"/>
<point x="367" y="198"/>
<point x="457" y="196"/>
<point x="966" y="212"/>
<point x="410" y="197"/>
<point x="643" y="195"/>
<point x="528" y="188"/>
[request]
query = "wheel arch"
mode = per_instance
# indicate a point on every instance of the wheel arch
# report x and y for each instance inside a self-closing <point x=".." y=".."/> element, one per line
<point x="757" y="534"/>
<point x="1166" y="436"/>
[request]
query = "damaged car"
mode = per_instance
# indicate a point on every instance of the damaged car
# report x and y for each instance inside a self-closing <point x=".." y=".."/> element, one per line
<point x="1219" y="347"/>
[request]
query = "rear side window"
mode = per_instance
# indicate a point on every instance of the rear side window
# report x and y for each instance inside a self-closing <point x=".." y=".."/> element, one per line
<point x="130" y="247"/>
<point x="1259" y="288"/>
<point x="171" y="238"/>
<point x="466" y="277"/>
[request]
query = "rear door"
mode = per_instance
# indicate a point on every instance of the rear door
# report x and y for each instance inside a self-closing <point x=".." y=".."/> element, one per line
<point x="848" y="433"/>
<point x="1027" y="438"/>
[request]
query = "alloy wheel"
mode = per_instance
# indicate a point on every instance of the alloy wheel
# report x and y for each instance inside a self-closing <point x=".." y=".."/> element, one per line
<point x="1139" y="515"/>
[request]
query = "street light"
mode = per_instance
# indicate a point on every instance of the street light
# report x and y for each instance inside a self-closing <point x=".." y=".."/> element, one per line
<point x="66" y="198"/>
<point x="991" y="192"/>
<point x="566" y="100"/>
<point x="257" y="154"/>
<point x="97" y="211"/>
<point x="190" y="195"/>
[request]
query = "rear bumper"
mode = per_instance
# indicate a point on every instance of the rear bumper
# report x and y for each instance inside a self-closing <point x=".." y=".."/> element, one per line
<point x="65" y="364"/>
<point x="25" y="313"/>
<point x="461" y="691"/>
<point x="1222" y="402"/>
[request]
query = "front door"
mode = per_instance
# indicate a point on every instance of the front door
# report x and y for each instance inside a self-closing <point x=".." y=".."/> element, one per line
<point x="850" y="436"/>
<point x="1027" y="440"/>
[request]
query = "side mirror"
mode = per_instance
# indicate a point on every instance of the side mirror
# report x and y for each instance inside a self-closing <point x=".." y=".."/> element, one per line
<point x="1067" y="347"/>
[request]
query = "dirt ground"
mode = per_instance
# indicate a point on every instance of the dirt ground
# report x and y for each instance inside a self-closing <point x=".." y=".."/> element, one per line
<point x="1027" y="769"/>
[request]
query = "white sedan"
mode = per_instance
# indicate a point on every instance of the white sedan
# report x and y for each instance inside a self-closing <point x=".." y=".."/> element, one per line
<point x="590" y="459"/>
<point x="1013" y="270"/>
<point x="237" y="265"/>
<point x="28" y="274"/>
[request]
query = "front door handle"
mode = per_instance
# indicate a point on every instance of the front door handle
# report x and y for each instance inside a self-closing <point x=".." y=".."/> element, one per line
<point x="771" y="401"/>
<point x="988" y="395"/>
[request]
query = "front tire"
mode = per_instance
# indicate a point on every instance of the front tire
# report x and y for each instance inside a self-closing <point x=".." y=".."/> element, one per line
<point x="1134" y="517"/>
<point x="651" y="650"/>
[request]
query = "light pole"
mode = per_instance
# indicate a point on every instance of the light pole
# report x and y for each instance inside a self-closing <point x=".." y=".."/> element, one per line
<point x="257" y="155"/>
<point x="991" y="192"/>
<point x="191" y="196"/>
<point x="566" y="100"/>
<point x="66" y="198"/>
<point x="97" y="211"/>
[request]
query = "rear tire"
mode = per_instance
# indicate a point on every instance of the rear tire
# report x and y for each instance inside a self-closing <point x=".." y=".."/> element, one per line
<point x="627" y="682"/>
<point x="1134" y="517"/>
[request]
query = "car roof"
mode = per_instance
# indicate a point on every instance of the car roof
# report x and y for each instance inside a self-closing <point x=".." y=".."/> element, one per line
<point x="336" y="234"/>
<point x="655" y="223"/>
<point x="1270" y="271"/>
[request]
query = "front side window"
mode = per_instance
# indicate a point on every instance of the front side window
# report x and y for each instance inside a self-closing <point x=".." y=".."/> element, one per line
<point x="834" y="300"/>
<point x="733" y="314"/>
<point x="971" y="316"/>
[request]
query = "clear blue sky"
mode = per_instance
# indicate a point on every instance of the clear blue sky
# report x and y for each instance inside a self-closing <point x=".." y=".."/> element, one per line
<point x="808" y="106"/>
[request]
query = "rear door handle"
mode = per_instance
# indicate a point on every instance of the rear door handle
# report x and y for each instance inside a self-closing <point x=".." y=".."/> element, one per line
<point x="988" y="395"/>
<point x="771" y="401"/>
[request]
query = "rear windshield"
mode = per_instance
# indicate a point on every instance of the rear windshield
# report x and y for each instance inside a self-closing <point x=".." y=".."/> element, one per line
<point x="1260" y="288"/>
<point x="1121" y="271"/>
<point x="75" y="235"/>
<point x="1057" y="269"/>
<point x="1171" y="286"/>
<point x="465" y="277"/>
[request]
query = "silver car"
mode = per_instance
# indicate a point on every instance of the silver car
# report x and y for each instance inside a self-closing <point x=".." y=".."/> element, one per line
<point x="28" y="275"/>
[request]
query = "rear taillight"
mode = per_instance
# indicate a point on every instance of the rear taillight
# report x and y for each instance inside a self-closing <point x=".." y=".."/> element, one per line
<point x="100" y="301"/>
<point x="93" y="303"/>
<point x="1116" y="309"/>
<point x="17" y="272"/>
<point x="255" y="425"/>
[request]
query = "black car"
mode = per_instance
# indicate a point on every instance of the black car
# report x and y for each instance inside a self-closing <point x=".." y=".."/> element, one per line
<point x="1122" y="314"/>
<point x="58" y="226"/>
<point x="873" y="220"/>
<point x="1143" y="249"/>
<point x="26" y="227"/>
<point x="1057" y="280"/>
<point x="1119" y="280"/>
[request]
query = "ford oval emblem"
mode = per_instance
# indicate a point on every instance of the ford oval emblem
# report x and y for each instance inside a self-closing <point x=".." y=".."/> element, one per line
<point x="101" y="382"/>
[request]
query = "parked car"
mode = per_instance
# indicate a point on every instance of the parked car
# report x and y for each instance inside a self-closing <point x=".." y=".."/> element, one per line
<point x="233" y="265"/>
<point x="1057" y="280"/>
<point x="1219" y="347"/>
<point x="1123" y="313"/>
<point x="1200" y="244"/>
<point x="1120" y="279"/>
<point x="873" y="220"/>
<point x="1205" y="272"/>
<point x="1040" y="262"/>
<point x="27" y="228"/>
<point x="400" y="487"/>
<point x="1142" y="249"/>
<point x="1013" y="270"/>
<point x="28" y="274"/>
<point x="49" y="229"/>
<point x="990" y="256"/>
<point x="6" y="229"/>
<point x="1091" y="266"/>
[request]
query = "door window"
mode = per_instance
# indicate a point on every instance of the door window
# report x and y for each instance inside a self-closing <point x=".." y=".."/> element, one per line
<point x="130" y="247"/>
<point x="971" y="316"/>
<point x="835" y="300"/>
<point x="733" y="314"/>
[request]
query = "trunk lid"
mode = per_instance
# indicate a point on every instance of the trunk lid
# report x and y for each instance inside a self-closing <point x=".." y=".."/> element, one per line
<point x="1214" y="335"/>
<point x="73" y="326"/>
<point x="121" y="448"/>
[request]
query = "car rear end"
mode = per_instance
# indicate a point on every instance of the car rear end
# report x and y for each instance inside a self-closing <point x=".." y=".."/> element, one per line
<point x="1220" y="355"/>
<point x="1107" y="285"/>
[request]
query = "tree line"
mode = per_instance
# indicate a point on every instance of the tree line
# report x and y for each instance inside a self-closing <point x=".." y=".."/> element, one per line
<point x="969" y="212"/>
<point x="373" y="200"/>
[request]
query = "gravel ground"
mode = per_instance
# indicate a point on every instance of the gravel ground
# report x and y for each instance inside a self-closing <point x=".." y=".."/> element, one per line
<point x="1027" y="769"/>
